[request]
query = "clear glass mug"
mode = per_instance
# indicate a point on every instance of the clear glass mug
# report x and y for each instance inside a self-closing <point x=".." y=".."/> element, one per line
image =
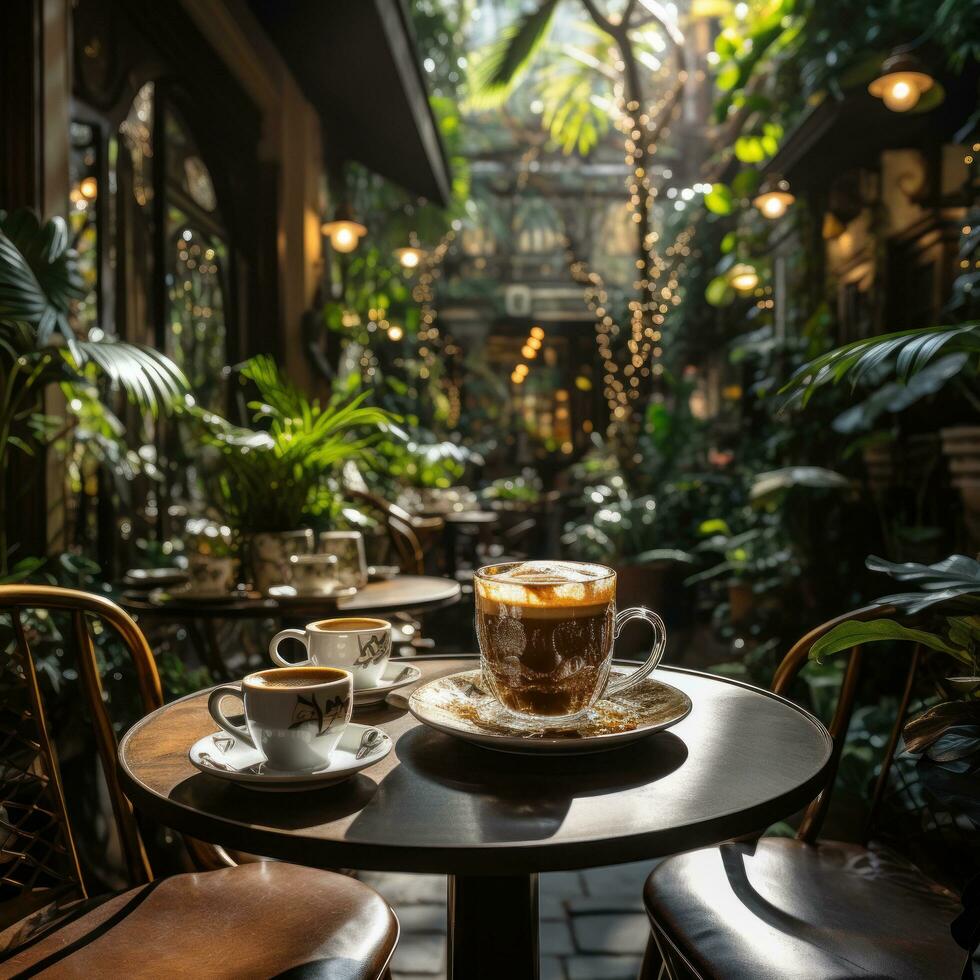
<point x="546" y="632"/>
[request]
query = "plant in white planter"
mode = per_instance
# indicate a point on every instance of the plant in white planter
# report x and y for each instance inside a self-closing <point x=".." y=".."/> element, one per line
<point x="272" y="482"/>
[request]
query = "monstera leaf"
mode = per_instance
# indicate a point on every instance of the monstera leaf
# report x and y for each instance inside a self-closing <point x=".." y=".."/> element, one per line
<point x="956" y="577"/>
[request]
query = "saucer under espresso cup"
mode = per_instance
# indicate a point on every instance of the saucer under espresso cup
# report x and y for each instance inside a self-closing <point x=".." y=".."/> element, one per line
<point x="293" y="717"/>
<point x="224" y="757"/>
<point x="357" y="644"/>
<point x="546" y="631"/>
<point x="396" y="675"/>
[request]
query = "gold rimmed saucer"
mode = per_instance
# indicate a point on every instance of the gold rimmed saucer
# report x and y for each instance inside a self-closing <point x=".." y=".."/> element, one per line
<point x="460" y="706"/>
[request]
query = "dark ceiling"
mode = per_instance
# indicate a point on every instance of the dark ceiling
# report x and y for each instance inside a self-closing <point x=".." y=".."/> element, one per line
<point x="357" y="63"/>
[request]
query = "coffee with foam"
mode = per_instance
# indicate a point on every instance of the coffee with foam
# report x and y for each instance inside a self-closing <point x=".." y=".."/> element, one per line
<point x="545" y="630"/>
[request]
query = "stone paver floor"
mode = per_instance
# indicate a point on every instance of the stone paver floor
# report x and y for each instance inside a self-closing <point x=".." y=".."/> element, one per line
<point x="593" y="926"/>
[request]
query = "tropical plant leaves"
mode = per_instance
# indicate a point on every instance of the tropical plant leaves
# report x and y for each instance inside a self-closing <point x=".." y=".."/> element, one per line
<point x="38" y="276"/>
<point x="272" y="478"/>
<point x="956" y="577"/>
<point x="505" y="60"/>
<point x="149" y="378"/>
<point x="859" y="361"/>
<point x="848" y="635"/>
<point x="767" y="485"/>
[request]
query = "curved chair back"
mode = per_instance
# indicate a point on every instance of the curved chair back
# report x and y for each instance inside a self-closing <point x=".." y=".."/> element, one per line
<point x="403" y="529"/>
<point x="790" y="668"/>
<point x="38" y="853"/>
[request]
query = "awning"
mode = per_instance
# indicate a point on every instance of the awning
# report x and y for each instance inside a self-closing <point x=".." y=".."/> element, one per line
<point x="357" y="63"/>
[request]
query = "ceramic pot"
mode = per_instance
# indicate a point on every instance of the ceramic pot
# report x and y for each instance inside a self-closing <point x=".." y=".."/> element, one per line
<point x="270" y="553"/>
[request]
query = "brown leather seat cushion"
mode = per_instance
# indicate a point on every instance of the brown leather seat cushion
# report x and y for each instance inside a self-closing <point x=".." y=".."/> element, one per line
<point x="781" y="908"/>
<point x="257" y="920"/>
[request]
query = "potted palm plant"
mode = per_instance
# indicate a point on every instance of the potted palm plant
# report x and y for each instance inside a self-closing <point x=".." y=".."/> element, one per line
<point x="40" y="286"/>
<point x="272" y="482"/>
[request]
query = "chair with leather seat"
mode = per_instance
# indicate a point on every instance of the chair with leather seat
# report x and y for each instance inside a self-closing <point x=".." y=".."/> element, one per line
<point x="255" y="920"/>
<point x="779" y="907"/>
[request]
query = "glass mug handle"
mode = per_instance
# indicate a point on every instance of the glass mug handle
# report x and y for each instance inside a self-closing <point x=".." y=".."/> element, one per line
<point x="278" y="659"/>
<point x="621" y="684"/>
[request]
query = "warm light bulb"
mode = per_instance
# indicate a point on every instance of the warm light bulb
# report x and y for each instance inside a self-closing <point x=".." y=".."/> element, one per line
<point x="343" y="239"/>
<point x="537" y="333"/>
<point x="395" y="332"/>
<point x="534" y="343"/>
<point x="89" y="188"/>
<point x="900" y="95"/>
<point x="902" y="82"/>
<point x="743" y="278"/>
<point x="528" y="352"/>
<point x="410" y="256"/>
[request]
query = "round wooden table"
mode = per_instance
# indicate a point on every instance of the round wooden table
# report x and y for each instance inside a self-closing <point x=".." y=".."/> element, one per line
<point x="413" y="594"/>
<point x="403" y="593"/>
<point x="743" y="759"/>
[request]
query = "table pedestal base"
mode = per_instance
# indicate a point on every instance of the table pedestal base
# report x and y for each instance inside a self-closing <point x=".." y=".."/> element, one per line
<point x="493" y="927"/>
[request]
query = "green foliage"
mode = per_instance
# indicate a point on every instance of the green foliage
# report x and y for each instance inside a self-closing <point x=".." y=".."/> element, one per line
<point x="909" y="350"/>
<point x="502" y="65"/>
<point x="274" y="478"/>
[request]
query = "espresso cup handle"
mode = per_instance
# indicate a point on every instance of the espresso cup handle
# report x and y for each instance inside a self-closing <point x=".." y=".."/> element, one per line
<point x="214" y="707"/>
<point x="280" y="661"/>
<point x="621" y="684"/>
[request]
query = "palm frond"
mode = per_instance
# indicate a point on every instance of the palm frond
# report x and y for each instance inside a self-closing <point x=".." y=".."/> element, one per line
<point x="150" y="379"/>
<point x="912" y="350"/>
<point x="504" y="61"/>
<point x="38" y="275"/>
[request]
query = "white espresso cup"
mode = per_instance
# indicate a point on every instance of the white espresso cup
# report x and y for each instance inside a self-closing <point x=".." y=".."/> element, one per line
<point x="294" y="717"/>
<point x="357" y="644"/>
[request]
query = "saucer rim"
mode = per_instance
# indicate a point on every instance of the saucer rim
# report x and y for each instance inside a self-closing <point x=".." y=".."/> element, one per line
<point x="300" y="778"/>
<point x="381" y="691"/>
<point x="525" y="744"/>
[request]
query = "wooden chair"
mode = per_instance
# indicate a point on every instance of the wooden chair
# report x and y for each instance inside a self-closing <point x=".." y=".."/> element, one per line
<point x="261" y="919"/>
<point x="805" y="907"/>
<point x="404" y="530"/>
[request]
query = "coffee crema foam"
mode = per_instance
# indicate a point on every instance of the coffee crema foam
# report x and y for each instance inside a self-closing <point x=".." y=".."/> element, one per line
<point x="547" y="589"/>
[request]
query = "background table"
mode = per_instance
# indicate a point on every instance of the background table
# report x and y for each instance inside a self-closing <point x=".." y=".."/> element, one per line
<point x="413" y="594"/>
<point x="740" y="761"/>
<point x="467" y="519"/>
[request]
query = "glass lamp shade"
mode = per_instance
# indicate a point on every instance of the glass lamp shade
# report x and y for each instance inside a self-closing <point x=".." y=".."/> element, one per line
<point x="774" y="198"/>
<point x="344" y="231"/>
<point x="902" y="83"/>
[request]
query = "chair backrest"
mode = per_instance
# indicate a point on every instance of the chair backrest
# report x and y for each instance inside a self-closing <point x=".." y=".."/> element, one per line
<point x="38" y="848"/>
<point x="403" y="529"/>
<point x="790" y="668"/>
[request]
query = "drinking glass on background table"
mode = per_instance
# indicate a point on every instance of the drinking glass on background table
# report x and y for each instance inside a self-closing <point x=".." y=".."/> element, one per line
<point x="546" y="631"/>
<point x="294" y="717"/>
<point x="348" y="547"/>
<point x="353" y="643"/>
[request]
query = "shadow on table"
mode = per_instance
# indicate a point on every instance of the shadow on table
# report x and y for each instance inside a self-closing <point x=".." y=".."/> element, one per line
<point x="445" y="791"/>
<point x="284" y="811"/>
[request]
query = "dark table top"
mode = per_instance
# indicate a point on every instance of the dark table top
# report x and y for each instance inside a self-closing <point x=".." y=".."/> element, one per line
<point x="404" y="593"/>
<point x="743" y="758"/>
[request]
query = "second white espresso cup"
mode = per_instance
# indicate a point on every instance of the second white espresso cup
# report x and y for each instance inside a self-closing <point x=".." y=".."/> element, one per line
<point x="294" y="717"/>
<point x="357" y="644"/>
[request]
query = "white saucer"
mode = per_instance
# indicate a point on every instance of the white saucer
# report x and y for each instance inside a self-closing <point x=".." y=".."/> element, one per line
<point x="291" y="592"/>
<point x="460" y="706"/>
<point x="396" y="674"/>
<point x="221" y="755"/>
